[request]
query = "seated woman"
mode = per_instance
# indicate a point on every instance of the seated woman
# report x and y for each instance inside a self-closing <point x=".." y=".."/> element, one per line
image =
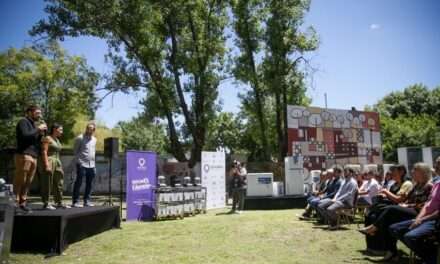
<point x="370" y="188"/>
<point x="388" y="181"/>
<point x="406" y="210"/>
<point x="396" y="193"/>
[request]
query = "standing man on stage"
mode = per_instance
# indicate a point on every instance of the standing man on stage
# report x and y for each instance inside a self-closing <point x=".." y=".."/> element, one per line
<point x="84" y="149"/>
<point x="28" y="135"/>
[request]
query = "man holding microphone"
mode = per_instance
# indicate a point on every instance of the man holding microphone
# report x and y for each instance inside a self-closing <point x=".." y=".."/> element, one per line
<point x="28" y="134"/>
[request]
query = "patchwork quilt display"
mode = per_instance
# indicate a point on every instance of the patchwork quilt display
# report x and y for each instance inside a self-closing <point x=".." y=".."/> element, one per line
<point x="319" y="138"/>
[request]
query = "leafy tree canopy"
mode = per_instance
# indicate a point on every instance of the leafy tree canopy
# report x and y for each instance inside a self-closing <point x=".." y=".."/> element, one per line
<point x="63" y="85"/>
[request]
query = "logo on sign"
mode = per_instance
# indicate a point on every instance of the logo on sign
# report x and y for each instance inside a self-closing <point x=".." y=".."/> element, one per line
<point x="141" y="164"/>
<point x="141" y="184"/>
<point x="264" y="180"/>
<point x="206" y="168"/>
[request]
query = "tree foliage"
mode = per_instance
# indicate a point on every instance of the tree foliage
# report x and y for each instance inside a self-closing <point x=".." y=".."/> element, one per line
<point x="409" y="118"/>
<point x="101" y="132"/>
<point x="248" y="26"/>
<point x="272" y="47"/>
<point x="414" y="100"/>
<point x="173" y="49"/>
<point x="140" y="134"/>
<point x="414" y="131"/>
<point x="45" y="75"/>
<point x="286" y="45"/>
<point x="225" y="132"/>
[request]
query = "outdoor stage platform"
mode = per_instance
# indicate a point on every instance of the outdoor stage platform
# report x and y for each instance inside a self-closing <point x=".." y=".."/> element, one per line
<point x="52" y="231"/>
<point x="275" y="203"/>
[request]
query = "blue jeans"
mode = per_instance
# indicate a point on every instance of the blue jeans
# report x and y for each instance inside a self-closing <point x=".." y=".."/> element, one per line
<point x="313" y="201"/>
<point x="89" y="173"/>
<point x="414" y="238"/>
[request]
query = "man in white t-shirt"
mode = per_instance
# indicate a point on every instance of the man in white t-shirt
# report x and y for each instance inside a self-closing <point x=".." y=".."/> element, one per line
<point x="84" y="149"/>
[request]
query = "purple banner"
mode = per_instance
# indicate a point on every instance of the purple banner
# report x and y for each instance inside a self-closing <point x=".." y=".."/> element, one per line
<point x="141" y="181"/>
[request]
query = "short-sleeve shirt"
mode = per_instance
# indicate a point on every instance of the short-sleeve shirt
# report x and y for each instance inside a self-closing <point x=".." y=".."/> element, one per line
<point x="405" y="188"/>
<point x="84" y="150"/>
<point x="372" y="186"/>
<point x="433" y="204"/>
<point x="419" y="194"/>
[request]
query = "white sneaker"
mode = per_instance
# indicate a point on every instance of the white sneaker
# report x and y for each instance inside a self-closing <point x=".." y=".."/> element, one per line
<point x="49" y="207"/>
<point x="63" y="206"/>
<point x="89" y="204"/>
<point x="76" y="205"/>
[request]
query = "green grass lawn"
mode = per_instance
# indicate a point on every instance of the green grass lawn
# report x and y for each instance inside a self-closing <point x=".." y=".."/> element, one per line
<point x="216" y="237"/>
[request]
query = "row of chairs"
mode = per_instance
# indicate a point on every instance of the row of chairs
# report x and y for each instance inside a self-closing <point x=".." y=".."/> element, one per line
<point x="348" y="215"/>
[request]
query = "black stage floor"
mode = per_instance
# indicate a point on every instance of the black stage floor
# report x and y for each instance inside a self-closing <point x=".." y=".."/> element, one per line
<point x="274" y="203"/>
<point x="52" y="231"/>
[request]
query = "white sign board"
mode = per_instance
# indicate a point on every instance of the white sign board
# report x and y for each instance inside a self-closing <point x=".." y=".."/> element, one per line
<point x="259" y="184"/>
<point x="214" y="179"/>
<point x="294" y="176"/>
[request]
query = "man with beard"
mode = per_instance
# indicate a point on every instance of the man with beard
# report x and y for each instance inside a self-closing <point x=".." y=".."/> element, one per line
<point x="28" y="134"/>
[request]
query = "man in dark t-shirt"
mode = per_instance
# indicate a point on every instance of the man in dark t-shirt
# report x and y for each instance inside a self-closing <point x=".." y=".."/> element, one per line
<point x="28" y="147"/>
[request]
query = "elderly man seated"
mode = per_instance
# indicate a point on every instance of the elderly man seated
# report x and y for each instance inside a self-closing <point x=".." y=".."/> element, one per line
<point x="344" y="198"/>
<point x="332" y="187"/>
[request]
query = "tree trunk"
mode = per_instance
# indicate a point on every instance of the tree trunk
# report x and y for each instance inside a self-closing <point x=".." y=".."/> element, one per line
<point x="285" y="127"/>
<point x="175" y="70"/>
<point x="258" y="100"/>
<point x="279" y="127"/>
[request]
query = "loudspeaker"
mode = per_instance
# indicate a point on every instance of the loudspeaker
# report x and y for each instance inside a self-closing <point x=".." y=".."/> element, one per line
<point x="111" y="147"/>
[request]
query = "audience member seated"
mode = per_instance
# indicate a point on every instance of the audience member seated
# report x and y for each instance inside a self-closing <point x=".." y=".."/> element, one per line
<point x="361" y="178"/>
<point x="397" y="186"/>
<point x="344" y="198"/>
<point x="397" y="192"/>
<point x="370" y="188"/>
<point x="329" y="192"/>
<point x="324" y="180"/>
<point x="388" y="181"/>
<point x="415" y="233"/>
<point x="405" y="210"/>
<point x="380" y="176"/>
<point x="436" y="176"/>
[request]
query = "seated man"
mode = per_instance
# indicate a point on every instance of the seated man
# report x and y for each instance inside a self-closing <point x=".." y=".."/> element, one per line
<point x="413" y="232"/>
<point x="330" y="191"/>
<point x="324" y="180"/>
<point x="370" y="188"/>
<point x="344" y="198"/>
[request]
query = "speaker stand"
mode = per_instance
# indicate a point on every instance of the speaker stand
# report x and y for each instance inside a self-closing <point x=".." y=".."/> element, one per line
<point x="109" y="201"/>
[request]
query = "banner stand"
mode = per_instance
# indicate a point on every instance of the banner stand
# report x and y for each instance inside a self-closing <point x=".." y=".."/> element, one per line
<point x="141" y="182"/>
